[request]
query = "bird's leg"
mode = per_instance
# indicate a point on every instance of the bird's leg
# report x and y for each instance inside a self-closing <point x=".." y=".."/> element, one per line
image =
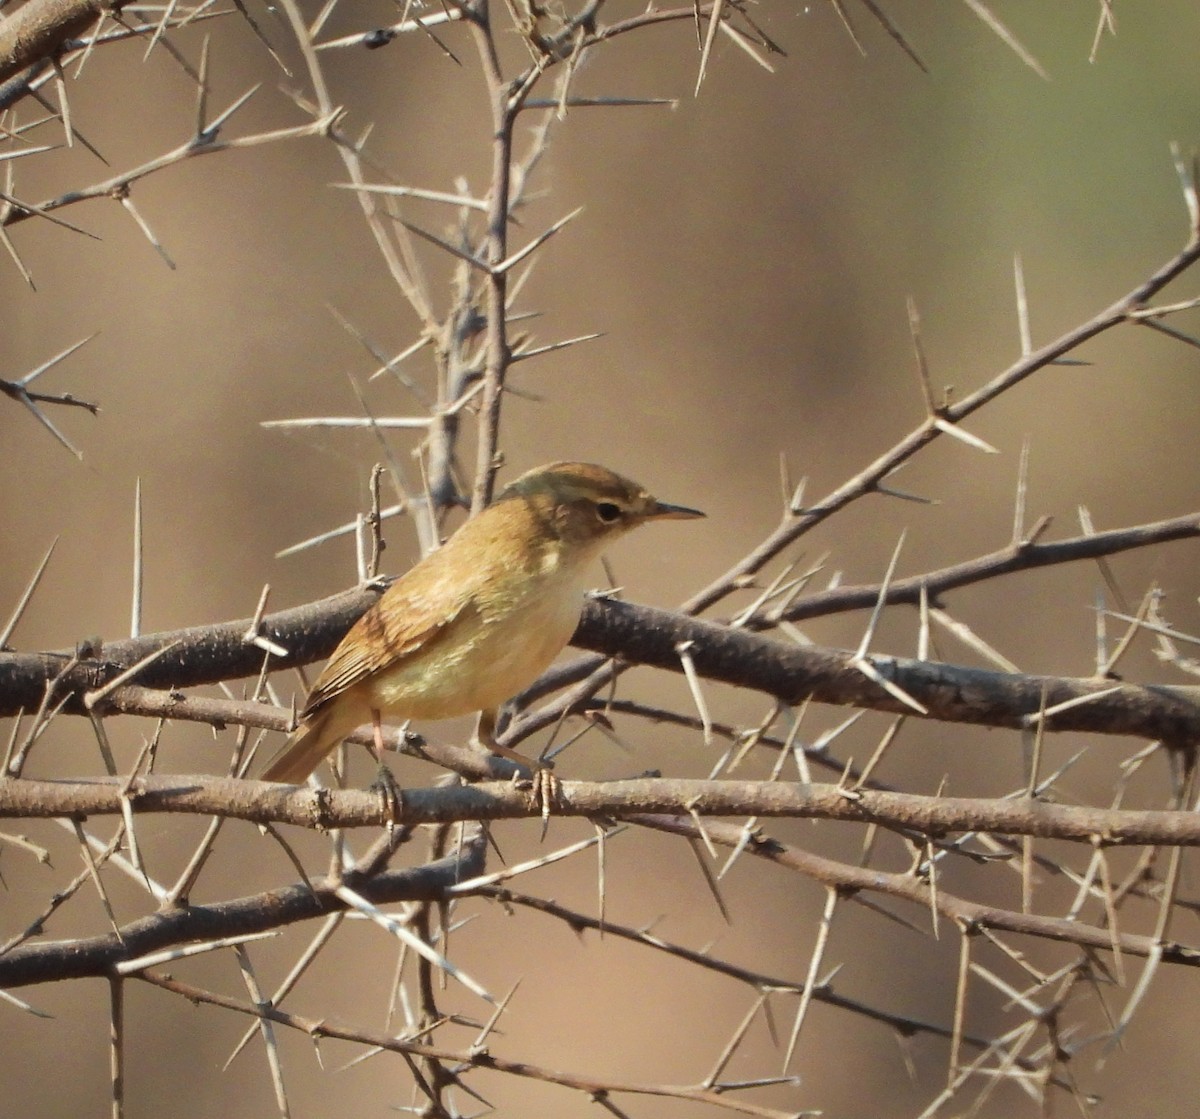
<point x="385" y="781"/>
<point x="545" y="783"/>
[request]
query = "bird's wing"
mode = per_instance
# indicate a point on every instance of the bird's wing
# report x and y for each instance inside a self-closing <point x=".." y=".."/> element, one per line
<point x="397" y="626"/>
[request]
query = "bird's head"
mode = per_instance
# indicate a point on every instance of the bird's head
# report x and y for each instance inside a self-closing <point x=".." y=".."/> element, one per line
<point x="587" y="504"/>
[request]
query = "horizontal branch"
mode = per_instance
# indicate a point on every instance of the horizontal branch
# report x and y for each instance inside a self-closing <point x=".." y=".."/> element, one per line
<point x="99" y="956"/>
<point x="634" y="634"/>
<point x="264" y="802"/>
<point x="206" y="654"/>
<point x="949" y="693"/>
<point x="82" y="957"/>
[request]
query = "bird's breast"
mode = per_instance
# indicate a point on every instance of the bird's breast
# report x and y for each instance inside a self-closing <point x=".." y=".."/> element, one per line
<point x="510" y="630"/>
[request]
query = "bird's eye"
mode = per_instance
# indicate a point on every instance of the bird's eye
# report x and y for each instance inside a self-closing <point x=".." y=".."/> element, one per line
<point x="608" y="512"/>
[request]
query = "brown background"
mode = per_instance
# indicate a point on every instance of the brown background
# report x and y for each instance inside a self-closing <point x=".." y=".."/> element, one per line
<point x="747" y="256"/>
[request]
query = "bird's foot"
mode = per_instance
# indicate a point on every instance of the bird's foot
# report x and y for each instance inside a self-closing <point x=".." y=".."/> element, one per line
<point x="390" y="796"/>
<point x="544" y="787"/>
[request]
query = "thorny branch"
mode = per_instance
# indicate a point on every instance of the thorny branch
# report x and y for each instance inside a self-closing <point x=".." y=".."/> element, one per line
<point x="323" y="809"/>
<point x="635" y="634"/>
<point x="471" y="348"/>
<point x="480" y="1057"/>
<point x="100" y="955"/>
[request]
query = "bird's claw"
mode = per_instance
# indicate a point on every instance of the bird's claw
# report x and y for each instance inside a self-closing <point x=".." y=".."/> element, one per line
<point x="390" y="796"/>
<point x="543" y="785"/>
<point x="546" y="791"/>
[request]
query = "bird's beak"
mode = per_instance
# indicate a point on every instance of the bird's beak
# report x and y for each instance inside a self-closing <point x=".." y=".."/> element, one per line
<point x="660" y="510"/>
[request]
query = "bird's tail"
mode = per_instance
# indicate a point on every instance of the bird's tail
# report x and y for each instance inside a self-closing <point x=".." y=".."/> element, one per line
<point x="313" y="740"/>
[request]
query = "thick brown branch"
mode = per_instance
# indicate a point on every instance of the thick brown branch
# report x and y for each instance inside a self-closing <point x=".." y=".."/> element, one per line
<point x="203" y="654"/>
<point x="39" y="28"/>
<point x="950" y="693"/>
<point x="263" y="802"/>
<point x="99" y="955"/>
<point x="645" y="635"/>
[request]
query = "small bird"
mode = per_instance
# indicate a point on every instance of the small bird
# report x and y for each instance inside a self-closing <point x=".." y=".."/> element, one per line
<point x="476" y="621"/>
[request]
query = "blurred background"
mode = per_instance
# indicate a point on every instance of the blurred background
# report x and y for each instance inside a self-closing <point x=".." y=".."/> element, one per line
<point x="747" y="255"/>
